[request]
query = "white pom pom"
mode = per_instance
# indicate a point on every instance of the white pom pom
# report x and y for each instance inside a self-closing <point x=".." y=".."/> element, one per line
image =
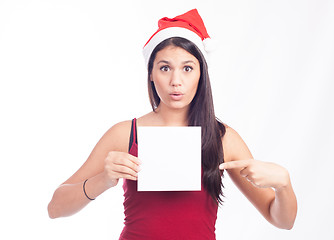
<point x="209" y="45"/>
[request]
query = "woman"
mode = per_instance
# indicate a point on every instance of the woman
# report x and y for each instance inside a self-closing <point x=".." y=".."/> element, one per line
<point x="180" y="95"/>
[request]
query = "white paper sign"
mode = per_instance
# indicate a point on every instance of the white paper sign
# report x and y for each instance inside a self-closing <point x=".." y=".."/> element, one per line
<point x="171" y="158"/>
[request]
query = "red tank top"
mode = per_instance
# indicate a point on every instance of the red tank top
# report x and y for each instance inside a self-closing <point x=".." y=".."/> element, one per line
<point x="166" y="215"/>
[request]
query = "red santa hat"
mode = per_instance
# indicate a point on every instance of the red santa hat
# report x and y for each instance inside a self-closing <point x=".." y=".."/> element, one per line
<point x="188" y="25"/>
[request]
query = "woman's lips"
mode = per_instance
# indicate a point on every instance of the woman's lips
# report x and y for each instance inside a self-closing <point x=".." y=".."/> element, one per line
<point x="176" y="96"/>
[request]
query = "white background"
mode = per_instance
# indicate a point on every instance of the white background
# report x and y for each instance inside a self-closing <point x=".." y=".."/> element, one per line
<point x="69" y="70"/>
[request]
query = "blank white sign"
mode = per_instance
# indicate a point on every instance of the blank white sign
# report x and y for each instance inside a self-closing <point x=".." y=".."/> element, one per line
<point x="171" y="158"/>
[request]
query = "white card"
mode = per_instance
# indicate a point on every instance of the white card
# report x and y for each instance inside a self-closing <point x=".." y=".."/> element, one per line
<point x="171" y="158"/>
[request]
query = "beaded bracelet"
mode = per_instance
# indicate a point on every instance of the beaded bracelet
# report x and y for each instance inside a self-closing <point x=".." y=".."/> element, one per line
<point x="84" y="190"/>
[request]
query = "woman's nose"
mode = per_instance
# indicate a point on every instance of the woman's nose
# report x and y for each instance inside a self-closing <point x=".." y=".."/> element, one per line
<point x="176" y="79"/>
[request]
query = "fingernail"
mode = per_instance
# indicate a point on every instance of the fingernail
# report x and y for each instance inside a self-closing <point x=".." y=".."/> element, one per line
<point x="221" y="166"/>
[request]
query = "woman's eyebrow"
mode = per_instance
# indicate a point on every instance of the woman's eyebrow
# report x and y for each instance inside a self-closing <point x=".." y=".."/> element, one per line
<point x="184" y="62"/>
<point x="189" y="61"/>
<point x="163" y="61"/>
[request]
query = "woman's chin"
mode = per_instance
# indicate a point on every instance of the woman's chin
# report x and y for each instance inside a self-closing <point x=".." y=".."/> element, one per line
<point x="178" y="106"/>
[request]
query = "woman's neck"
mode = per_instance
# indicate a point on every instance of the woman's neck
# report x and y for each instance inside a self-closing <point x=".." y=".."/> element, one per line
<point x="172" y="117"/>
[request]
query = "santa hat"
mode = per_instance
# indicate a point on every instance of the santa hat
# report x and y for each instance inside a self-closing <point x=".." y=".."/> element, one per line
<point x="188" y="25"/>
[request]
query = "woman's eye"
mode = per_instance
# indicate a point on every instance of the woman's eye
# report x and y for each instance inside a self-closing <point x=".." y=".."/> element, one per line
<point x="188" y="68"/>
<point x="164" y="68"/>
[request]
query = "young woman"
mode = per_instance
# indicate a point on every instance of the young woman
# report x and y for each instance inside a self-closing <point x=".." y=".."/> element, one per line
<point x="180" y="95"/>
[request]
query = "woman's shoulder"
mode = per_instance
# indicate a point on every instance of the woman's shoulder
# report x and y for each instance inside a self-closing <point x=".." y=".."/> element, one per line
<point x="234" y="146"/>
<point x="120" y="127"/>
<point x="117" y="136"/>
<point x="230" y="133"/>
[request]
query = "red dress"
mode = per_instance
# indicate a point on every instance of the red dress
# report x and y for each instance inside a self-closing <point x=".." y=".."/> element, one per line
<point x="166" y="215"/>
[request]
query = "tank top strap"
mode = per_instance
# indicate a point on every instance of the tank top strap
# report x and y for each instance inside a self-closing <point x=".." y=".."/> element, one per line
<point x="134" y="129"/>
<point x="133" y="138"/>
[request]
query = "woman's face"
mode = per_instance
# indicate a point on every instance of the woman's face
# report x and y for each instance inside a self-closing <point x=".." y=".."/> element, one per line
<point x="175" y="74"/>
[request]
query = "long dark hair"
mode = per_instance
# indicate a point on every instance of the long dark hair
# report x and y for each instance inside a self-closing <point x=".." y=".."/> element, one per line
<point x="201" y="113"/>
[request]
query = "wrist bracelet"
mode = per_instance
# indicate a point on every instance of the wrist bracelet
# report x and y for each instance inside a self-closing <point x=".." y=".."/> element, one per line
<point x="84" y="190"/>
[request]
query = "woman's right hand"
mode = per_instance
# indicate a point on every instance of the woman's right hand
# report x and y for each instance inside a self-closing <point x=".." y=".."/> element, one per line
<point x="120" y="165"/>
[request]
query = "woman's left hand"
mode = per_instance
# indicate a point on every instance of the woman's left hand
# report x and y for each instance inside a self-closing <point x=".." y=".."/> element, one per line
<point x="260" y="174"/>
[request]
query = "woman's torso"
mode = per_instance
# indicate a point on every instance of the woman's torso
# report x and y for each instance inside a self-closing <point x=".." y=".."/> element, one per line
<point x="166" y="215"/>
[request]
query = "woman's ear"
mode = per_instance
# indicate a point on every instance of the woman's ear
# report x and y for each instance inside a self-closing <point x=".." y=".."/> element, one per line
<point x="151" y="78"/>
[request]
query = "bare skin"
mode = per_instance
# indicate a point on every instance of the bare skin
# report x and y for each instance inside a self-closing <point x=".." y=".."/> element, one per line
<point x="176" y="74"/>
<point x="255" y="179"/>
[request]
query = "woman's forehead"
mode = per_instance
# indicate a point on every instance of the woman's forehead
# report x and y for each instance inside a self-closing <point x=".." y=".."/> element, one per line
<point x="175" y="54"/>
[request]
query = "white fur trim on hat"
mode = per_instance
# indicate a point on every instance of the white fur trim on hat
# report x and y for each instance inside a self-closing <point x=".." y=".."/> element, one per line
<point x="172" y="32"/>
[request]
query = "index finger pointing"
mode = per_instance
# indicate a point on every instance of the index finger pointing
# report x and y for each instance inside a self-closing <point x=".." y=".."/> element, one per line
<point x="235" y="164"/>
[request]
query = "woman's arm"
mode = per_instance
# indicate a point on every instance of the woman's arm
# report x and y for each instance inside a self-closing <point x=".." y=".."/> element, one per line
<point x="256" y="179"/>
<point x="108" y="162"/>
<point x="69" y="198"/>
